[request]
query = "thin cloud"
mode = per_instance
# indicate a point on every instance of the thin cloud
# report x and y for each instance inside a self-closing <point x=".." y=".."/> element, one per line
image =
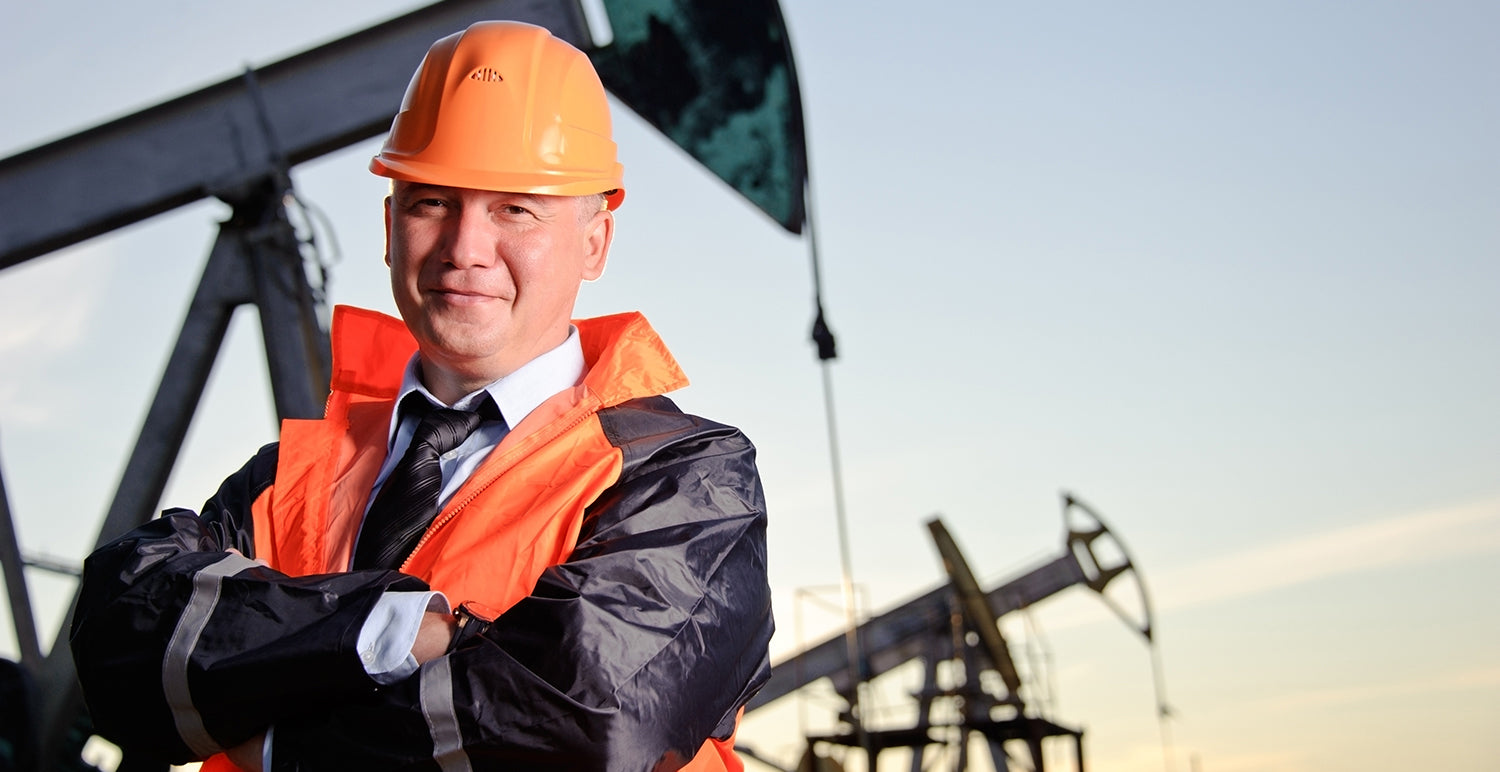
<point x="46" y="311"/>
<point x="1469" y="529"/>
<point x="1481" y="678"/>
<point x="45" y="304"/>
<point x="1420" y="537"/>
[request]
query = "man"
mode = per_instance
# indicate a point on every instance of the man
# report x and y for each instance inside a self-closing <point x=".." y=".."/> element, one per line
<point x="605" y="552"/>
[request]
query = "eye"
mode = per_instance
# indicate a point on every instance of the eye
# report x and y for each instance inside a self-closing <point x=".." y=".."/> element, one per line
<point x="515" y="210"/>
<point x="424" y="206"/>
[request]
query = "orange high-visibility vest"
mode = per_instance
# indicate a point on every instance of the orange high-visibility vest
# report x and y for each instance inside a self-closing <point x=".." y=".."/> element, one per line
<point x="518" y="514"/>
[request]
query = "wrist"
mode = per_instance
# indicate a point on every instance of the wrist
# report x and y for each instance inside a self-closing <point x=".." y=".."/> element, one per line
<point x="472" y="620"/>
<point x="437" y="632"/>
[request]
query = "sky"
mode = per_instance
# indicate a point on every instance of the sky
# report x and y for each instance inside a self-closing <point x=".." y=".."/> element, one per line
<point x="1225" y="271"/>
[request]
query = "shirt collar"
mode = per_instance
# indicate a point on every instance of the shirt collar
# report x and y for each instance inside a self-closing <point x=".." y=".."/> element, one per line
<point x="516" y="394"/>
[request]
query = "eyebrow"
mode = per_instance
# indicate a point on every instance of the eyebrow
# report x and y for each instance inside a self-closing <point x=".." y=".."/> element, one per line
<point x="531" y="200"/>
<point x="402" y="187"/>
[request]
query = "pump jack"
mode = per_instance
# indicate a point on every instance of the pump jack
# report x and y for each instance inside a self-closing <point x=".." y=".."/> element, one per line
<point x="960" y="621"/>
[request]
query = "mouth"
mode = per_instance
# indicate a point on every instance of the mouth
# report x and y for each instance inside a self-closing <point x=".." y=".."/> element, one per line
<point x="458" y="296"/>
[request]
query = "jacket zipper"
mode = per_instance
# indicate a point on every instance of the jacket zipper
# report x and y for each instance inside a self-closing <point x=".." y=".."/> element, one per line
<point x="442" y="521"/>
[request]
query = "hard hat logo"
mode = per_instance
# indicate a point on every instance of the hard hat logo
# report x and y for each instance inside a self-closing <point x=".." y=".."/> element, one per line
<point x="543" y="126"/>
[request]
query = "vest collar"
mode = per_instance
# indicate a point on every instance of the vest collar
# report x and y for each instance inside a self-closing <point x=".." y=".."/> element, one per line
<point x="625" y="357"/>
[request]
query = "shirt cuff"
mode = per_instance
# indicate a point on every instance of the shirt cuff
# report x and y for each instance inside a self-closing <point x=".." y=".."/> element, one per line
<point x="386" y="638"/>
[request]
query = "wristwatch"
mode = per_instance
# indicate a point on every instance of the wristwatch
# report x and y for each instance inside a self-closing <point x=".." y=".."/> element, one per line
<point x="473" y="620"/>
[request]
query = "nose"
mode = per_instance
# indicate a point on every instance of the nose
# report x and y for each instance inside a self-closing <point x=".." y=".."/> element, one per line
<point x="471" y="244"/>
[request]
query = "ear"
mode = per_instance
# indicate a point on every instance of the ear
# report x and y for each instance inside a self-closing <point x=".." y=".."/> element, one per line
<point x="597" y="236"/>
<point x="387" y="209"/>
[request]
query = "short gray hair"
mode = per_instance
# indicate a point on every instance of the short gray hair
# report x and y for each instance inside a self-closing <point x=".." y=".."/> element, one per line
<point x="590" y="204"/>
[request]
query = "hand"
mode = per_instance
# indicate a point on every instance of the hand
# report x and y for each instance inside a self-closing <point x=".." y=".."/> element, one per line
<point x="433" y="637"/>
<point x="249" y="754"/>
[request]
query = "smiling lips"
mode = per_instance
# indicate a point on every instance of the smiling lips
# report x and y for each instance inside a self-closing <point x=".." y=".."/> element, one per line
<point x="460" y="296"/>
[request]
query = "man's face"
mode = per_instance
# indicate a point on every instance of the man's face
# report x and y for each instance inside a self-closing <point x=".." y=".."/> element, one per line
<point x="486" y="280"/>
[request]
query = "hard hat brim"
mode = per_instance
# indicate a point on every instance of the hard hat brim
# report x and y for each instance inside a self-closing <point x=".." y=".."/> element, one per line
<point x="540" y="183"/>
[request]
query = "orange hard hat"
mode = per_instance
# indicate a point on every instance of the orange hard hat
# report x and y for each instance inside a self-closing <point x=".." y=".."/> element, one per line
<point x="505" y="106"/>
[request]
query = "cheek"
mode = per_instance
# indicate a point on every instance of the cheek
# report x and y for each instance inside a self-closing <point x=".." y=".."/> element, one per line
<point x="404" y="281"/>
<point x="534" y="266"/>
<point x="399" y="266"/>
<point x="404" y="255"/>
<point x="410" y="236"/>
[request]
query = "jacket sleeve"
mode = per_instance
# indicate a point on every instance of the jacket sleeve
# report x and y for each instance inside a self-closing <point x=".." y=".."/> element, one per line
<point x="185" y="645"/>
<point x="628" y="656"/>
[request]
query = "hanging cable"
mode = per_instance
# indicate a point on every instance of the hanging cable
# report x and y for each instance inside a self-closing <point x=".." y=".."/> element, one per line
<point x="1163" y="711"/>
<point x="822" y="337"/>
<point x="317" y="262"/>
<point x="315" y="267"/>
<point x="1039" y="659"/>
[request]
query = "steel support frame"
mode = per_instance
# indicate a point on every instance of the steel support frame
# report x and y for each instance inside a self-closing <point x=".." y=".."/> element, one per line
<point x="256" y="261"/>
<point x="1028" y="729"/>
<point x="911" y="630"/>
<point x="932" y="628"/>
<point x="901" y="634"/>
<point x="15" y="586"/>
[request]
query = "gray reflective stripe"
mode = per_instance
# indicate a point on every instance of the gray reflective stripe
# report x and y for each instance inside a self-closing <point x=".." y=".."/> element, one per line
<point x="442" y="716"/>
<point x="184" y="639"/>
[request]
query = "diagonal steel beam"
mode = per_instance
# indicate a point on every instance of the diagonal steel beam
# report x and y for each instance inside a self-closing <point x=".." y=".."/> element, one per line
<point x="15" y="586"/>
<point x="223" y="286"/>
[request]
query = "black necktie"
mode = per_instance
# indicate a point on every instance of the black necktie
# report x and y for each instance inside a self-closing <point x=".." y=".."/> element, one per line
<point x="408" y="501"/>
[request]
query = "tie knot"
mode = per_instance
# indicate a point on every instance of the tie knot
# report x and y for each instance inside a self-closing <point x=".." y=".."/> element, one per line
<point x="443" y="429"/>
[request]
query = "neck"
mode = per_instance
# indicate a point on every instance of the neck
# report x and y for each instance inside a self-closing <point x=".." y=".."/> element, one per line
<point x="450" y="387"/>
